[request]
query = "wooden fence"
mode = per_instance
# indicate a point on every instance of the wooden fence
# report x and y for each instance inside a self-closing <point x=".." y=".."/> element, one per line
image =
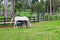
<point x="33" y="19"/>
<point x="4" y="20"/>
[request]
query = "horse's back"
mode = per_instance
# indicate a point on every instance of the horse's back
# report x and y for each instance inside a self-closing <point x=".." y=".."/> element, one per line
<point x="21" y="18"/>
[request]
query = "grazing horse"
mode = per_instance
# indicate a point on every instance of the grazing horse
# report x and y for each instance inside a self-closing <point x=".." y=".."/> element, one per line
<point x="21" y="20"/>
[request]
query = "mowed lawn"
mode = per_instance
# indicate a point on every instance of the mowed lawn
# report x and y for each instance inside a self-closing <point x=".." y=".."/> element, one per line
<point x="48" y="30"/>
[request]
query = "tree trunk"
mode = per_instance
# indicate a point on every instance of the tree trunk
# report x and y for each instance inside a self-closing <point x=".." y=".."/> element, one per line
<point x="50" y="8"/>
<point x="5" y="8"/>
<point x="12" y="8"/>
<point x="53" y="8"/>
<point x="47" y="9"/>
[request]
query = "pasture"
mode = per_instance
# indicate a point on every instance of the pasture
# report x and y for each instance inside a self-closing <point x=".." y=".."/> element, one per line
<point x="47" y="30"/>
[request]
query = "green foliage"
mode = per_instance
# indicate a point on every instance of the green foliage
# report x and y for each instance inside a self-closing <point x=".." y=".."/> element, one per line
<point x="18" y="6"/>
<point x="38" y="7"/>
<point x="0" y="5"/>
<point x="33" y="8"/>
<point x="41" y="6"/>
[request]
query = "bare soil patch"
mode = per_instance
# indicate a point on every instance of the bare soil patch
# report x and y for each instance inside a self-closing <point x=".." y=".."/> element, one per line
<point x="6" y="26"/>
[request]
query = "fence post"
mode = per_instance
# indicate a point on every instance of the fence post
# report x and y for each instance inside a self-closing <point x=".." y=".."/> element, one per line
<point x="4" y="20"/>
<point x="38" y="19"/>
<point x="56" y="17"/>
<point x="43" y="17"/>
<point x="47" y="18"/>
<point x="29" y="17"/>
<point x="34" y="19"/>
<point x="50" y="17"/>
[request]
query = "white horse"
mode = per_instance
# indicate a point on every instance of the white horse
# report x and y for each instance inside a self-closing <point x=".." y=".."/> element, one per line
<point x="18" y="18"/>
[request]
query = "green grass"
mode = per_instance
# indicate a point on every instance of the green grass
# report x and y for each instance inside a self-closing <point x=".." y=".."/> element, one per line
<point x="40" y="31"/>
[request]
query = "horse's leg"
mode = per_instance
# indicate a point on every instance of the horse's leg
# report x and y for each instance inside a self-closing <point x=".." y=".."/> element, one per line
<point x="15" y="25"/>
<point x="26" y="24"/>
<point x="29" y="24"/>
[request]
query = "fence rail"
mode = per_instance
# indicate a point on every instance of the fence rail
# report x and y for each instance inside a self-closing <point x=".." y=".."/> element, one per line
<point x="34" y="19"/>
<point x="49" y="18"/>
<point x="4" y="20"/>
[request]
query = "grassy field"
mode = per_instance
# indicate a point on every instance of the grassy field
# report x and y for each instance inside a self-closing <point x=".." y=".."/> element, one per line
<point x="40" y="31"/>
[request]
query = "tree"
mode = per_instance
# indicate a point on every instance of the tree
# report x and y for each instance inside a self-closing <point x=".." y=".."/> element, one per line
<point x="51" y="6"/>
<point x="0" y="5"/>
<point x="12" y="8"/>
<point x="18" y="5"/>
<point x="39" y="6"/>
<point x="5" y="8"/>
<point x="47" y="5"/>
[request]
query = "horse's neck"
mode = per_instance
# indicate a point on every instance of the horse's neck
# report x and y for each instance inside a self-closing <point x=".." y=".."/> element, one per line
<point x="12" y="19"/>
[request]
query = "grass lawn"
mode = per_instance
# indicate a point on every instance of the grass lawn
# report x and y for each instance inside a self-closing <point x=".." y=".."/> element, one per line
<point x="40" y="31"/>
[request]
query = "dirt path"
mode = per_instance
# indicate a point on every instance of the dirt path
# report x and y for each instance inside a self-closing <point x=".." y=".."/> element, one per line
<point x="6" y="27"/>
